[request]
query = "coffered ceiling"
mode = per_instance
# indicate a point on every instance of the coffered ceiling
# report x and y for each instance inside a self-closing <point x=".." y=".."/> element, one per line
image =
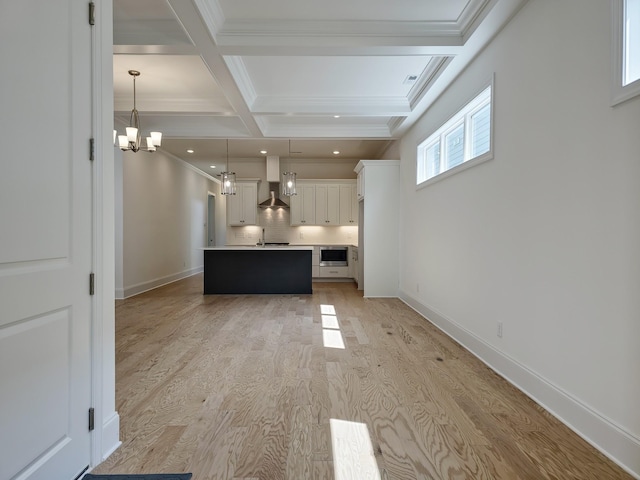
<point x="331" y="75"/>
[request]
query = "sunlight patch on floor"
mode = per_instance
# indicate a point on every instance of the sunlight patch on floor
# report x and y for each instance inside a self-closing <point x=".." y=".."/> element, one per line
<point x="353" y="457"/>
<point x="330" y="321"/>
<point x="331" y="334"/>
<point x="327" y="309"/>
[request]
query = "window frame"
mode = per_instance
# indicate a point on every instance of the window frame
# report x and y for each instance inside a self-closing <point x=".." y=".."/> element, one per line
<point x="463" y="116"/>
<point x="619" y="91"/>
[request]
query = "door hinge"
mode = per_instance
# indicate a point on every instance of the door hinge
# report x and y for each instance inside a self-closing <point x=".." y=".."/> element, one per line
<point x="92" y="148"/>
<point x="92" y="418"/>
<point x="92" y="13"/>
<point x="92" y="283"/>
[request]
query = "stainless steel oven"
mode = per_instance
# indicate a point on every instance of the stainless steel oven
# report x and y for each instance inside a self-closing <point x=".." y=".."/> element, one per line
<point x="334" y="256"/>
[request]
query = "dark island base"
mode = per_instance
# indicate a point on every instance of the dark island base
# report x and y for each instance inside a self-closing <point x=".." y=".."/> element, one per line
<point x="257" y="271"/>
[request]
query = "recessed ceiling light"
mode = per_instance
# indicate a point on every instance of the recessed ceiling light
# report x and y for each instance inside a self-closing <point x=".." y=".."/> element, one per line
<point x="212" y="166"/>
<point x="189" y="151"/>
<point x="263" y="152"/>
<point x="336" y="152"/>
<point x="336" y="116"/>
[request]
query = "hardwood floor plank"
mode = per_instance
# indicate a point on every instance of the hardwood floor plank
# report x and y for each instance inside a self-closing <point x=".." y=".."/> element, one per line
<point x="243" y="387"/>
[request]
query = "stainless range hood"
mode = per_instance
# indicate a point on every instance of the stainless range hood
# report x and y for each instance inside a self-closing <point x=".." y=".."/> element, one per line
<point x="274" y="198"/>
<point x="273" y="177"/>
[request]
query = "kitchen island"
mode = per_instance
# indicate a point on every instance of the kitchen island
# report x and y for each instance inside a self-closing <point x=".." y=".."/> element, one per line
<point x="257" y="270"/>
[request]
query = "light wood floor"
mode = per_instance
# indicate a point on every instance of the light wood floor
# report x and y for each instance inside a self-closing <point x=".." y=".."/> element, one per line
<point x="242" y="387"/>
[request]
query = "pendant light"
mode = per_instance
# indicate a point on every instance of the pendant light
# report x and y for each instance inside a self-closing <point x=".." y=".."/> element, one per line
<point x="133" y="139"/>
<point x="228" y="178"/>
<point x="288" y="184"/>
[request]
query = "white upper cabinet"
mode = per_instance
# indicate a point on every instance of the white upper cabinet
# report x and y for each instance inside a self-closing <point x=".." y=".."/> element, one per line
<point x="327" y="204"/>
<point x="348" y="205"/>
<point x="303" y="205"/>
<point x="242" y="207"/>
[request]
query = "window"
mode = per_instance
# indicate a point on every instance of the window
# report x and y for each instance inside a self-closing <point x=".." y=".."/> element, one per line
<point x="466" y="136"/>
<point x="631" y="43"/>
<point x="626" y="50"/>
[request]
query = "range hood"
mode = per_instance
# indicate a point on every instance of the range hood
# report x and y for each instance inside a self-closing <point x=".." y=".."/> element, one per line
<point x="273" y="177"/>
<point x="274" y="197"/>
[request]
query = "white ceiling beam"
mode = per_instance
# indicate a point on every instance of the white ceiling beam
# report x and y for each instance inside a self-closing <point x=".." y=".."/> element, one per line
<point x="192" y="21"/>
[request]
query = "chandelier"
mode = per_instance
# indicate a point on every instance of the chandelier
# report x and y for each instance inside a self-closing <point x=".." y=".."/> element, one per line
<point x="228" y="178"/>
<point x="132" y="140"/>
<point x="288" y="185"/>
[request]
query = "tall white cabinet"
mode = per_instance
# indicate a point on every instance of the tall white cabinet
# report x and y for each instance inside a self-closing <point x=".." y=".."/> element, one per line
<point x="378" y="233"/>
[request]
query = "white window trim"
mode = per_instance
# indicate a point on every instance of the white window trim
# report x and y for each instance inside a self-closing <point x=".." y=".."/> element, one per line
<point x="619" y="92"/>
<point x="449" y="125"/>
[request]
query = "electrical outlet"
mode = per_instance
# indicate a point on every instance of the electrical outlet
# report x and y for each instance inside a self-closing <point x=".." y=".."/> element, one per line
<point x="417" y="287"/>
<point x="301" y="235"/>
<point x="500" y="329"/>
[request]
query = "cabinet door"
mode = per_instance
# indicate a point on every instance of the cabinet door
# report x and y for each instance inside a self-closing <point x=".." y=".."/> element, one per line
<point x="327" y="205"/>
<point x="321" y="204"/>
<point x="309" y="205"/>
<point x="241" y="207"/>
<point x="249" y="203"/>
<point x="234" y="208"/>
<point x="348" y="205"/>
<point x="303" y="206"/>
<point x="333" y="205"/>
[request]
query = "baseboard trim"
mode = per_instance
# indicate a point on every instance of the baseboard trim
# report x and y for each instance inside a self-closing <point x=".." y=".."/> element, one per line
<point x="142" y="287"/>
<point x="611" y="439"/>
<point x="110" y="435"/>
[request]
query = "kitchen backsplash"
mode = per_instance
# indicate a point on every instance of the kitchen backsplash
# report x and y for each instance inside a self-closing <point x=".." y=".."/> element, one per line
<point x="277" y="227"/>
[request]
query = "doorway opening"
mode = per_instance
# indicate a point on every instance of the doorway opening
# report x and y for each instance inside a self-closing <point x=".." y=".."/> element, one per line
<point x="211" y="220"/>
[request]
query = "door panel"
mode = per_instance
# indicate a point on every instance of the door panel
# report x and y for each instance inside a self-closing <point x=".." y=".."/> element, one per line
<point x="45" y="239"/>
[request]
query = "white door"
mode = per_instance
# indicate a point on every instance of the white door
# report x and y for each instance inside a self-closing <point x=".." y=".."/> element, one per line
<point x="45" y="238"/>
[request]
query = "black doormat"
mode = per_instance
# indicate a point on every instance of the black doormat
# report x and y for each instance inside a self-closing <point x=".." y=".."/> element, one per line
<point x="154" y="476"/>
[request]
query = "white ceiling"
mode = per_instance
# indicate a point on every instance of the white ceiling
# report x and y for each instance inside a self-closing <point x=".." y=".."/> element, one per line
<point x="261" y="73"/>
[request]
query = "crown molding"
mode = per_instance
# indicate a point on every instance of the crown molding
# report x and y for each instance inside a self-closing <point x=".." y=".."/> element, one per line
<point x="212" y="15"/>
<point x="434" y="69"/>
<point x="172" y="106"/>
<point x="394" y="123"/>
<point x="472" y="15"/>
<point x="345" y="28"/>
<point x="320" y="131"/>
<point x="363" y="106"/>
<point x="242" y="78"/>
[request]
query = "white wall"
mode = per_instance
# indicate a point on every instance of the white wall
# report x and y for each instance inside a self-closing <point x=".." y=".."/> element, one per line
<point x="164" y="220"/>
<point x="107" y="422"/>
<point x="544" y="238"/>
